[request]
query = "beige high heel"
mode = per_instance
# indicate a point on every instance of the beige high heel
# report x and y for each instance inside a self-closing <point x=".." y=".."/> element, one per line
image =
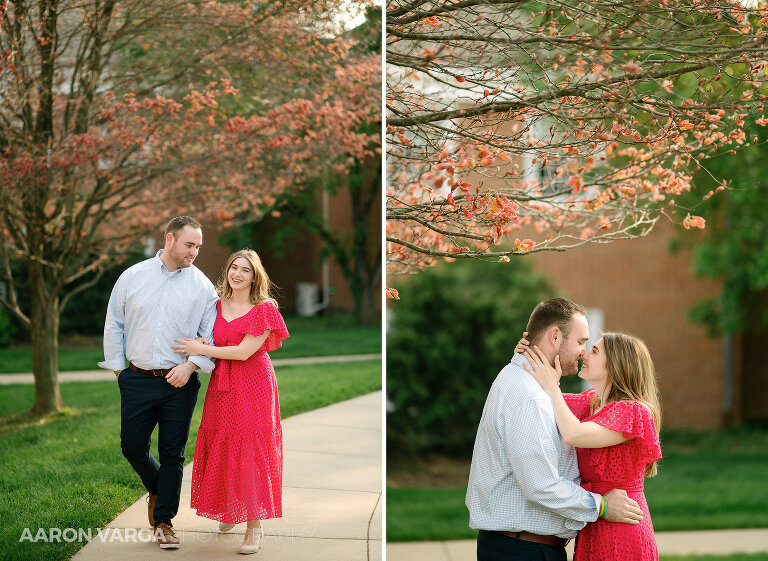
<point x="247" y="549"/>
<point x="224" y="527"/>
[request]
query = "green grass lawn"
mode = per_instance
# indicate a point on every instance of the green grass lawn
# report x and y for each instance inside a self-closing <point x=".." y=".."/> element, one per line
<point x="309" y="337"/>
<point x="68" y="472"/>
<point x="710" y="480"/>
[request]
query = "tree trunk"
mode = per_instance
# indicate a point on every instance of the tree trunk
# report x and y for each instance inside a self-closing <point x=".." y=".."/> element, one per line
<point x="365" y="300"/>
<point x="44" y="329"/>
<point x="364" y="189"/>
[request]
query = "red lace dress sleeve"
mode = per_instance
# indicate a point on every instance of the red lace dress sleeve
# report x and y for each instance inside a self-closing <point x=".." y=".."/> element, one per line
<point x="633" y="420"/>
<point x="265" y="317"/>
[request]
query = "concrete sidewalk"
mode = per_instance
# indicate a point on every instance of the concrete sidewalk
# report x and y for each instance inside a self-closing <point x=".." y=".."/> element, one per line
<point x="331" y="499"/>
<point x="102" y="375"/>
<point x="703" y="542"/>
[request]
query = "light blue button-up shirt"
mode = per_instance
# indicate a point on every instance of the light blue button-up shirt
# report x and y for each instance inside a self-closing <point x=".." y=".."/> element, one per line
<point x="149" y="308"/>
<point x="524" y="478"/>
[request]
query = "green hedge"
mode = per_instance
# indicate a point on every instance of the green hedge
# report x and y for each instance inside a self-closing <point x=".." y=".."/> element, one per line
<point x="8" y="328"/>
<point x="451" y="332"/>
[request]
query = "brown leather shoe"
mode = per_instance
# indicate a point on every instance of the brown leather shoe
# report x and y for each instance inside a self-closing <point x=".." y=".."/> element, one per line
<point x="166" y="537"/>
<point x="151" y="509"/>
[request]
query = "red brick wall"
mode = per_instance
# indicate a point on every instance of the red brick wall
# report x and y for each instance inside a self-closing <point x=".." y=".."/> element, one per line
<point x="645" y="291"/>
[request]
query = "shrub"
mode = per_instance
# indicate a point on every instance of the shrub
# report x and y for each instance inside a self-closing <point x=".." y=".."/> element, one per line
<point x="86" y="311"/>
<point x="8" y="328"/>
<point x="84" y="314"/>
<point x="452" y="331"/>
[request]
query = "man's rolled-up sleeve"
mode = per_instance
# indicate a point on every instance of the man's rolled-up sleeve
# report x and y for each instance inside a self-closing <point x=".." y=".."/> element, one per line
<point x="114" y="326"/>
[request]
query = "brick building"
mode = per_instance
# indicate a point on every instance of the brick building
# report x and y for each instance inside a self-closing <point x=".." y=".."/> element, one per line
<point x="638" y="287"/>
<point x="302" y="260"/>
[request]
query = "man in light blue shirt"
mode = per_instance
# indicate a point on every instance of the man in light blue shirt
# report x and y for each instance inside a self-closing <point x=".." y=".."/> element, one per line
<point x="524" y="495"/>
<point x="154" y="302"/>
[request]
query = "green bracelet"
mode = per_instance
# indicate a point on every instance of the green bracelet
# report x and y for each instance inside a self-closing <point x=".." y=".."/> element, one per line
<point x="603" y="508"/>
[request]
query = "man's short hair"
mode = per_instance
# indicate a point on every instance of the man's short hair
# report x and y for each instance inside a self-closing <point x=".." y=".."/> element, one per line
<point x="557" y="311"/>
<point x="177" y="224"/>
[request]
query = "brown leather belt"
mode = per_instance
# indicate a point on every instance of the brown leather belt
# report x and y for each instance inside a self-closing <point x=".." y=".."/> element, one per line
<point x="528" y="537"/>
<point x="155" y="372"/>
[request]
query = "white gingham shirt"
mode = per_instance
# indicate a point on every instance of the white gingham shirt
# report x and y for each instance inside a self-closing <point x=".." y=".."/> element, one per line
<point x="524" y="478"/>
<point x="151" y="306"/>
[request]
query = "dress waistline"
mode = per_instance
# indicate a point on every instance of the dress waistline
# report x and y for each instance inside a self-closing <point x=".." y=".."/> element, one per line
<point x="602" y="487"/>
<point x="223" y="372"/>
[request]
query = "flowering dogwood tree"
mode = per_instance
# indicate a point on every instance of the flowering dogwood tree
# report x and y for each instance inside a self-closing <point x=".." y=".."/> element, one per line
<point x="117" y="115"/>
<point x="515" y="127"/>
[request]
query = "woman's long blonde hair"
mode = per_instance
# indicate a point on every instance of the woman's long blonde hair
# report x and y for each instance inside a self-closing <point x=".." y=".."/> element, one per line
<point x="631" y="377"/>
<point x="260" y="287"/>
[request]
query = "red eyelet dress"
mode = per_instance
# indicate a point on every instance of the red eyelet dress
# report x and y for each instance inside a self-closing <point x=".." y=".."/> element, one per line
<point x="617" y="467"/>
<point x="238" y="469"/>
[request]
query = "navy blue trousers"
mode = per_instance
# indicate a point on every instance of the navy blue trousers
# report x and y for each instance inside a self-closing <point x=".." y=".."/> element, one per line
<point x="147" y="401"/>
<point x="493" y="546"/>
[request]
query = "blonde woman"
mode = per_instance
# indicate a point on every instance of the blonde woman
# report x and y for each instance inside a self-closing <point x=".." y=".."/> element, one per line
<point x="238" y="468"/>
<point x="615" y="429"/>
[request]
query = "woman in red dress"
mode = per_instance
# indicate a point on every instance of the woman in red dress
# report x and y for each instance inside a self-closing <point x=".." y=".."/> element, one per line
<point x="615" y="429"/>
<point x="238" y="468"/>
